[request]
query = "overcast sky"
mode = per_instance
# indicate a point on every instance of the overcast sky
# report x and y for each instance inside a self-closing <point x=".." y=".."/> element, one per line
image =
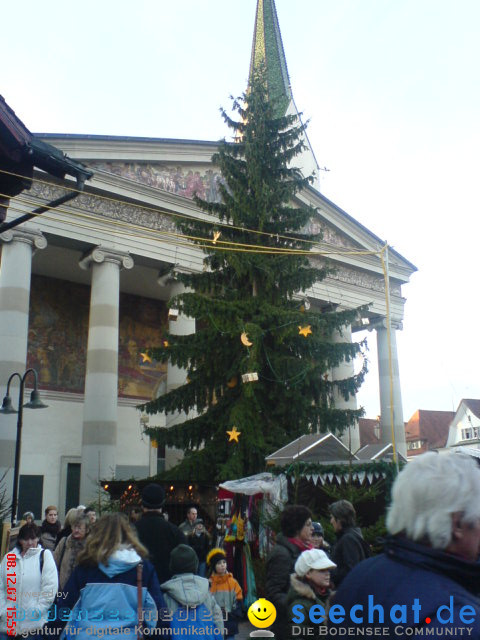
<point x="392" y="93"/>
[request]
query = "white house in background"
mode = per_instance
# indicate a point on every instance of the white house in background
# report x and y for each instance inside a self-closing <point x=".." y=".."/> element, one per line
<point x="465" y="427"/>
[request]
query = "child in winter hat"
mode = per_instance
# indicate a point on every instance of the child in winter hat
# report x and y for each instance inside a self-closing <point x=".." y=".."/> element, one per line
<point x="187" y="591"/>
<point x="226" y="590"/>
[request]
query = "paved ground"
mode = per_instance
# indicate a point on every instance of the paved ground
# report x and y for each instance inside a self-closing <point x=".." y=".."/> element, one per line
<point x="244" y="629"/>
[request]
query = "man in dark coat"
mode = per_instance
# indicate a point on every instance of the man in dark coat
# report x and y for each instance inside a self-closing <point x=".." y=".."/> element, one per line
<point x="429" y="571"/>
<point x="158" y="535"/>
<point x="350" y="548"/>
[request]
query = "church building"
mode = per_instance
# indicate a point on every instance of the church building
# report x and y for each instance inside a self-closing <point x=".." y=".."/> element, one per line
<point x="84" y="287"/>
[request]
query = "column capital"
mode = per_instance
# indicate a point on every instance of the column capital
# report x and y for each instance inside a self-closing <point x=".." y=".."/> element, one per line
<point x="381" y="323"/>
<point x="33" y="237"/>
<point x="100" y="254"/>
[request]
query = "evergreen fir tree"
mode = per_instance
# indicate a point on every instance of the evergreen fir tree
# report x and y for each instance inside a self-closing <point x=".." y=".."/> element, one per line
<point x="253" y="291"/>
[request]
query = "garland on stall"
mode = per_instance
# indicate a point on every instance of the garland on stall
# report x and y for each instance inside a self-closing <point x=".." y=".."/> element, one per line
<point x="342" y="473"/>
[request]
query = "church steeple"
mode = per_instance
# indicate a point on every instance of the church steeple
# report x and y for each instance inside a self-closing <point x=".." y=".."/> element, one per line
<point x="268" y="50"/>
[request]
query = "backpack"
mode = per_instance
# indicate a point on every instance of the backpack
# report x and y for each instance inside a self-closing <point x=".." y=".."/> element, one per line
<point x="366" y="548"/>
<point x="194" y="622"/>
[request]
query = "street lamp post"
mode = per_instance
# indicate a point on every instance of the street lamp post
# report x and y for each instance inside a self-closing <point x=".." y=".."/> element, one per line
<point x="7" y="407"/>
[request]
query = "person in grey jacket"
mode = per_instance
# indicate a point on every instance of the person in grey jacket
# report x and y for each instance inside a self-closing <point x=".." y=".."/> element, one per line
<point x="188" y="590"/>
<point x="350" y="548"/>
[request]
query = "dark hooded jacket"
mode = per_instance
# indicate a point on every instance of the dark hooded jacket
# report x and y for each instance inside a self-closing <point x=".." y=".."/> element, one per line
<point x="408" y="570"/>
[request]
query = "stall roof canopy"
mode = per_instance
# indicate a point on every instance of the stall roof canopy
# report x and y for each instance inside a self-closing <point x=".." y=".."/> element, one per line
<point x="377" y="452"/>
<point x="275" y="486"/>
<point x="312" y="447"/>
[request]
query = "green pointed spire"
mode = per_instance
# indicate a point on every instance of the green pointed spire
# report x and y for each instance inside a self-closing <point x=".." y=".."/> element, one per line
<point x="268" y="50"/>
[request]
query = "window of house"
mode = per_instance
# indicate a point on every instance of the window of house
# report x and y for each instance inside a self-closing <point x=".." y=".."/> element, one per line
<point x="467" y="433"/>
<point x="414" y="444"/>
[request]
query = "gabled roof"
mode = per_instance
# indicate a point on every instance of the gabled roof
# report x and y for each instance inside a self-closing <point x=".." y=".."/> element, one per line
<point x="376" y="451"/>
<point x="267" y="50"/>
<point x="473" y="405"/>
<point x="430" y="426"/>
<point x="21" y="150"/>
<point x="312" y="447"/>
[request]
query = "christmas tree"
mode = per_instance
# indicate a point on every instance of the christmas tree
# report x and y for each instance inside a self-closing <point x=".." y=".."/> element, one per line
<point x="249" y="312"/>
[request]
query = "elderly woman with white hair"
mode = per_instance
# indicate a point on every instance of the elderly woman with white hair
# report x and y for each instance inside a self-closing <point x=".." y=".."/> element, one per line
<point x="428" y="574"/>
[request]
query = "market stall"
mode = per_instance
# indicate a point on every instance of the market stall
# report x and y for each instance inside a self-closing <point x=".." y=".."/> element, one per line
<point x="244" y="507"/>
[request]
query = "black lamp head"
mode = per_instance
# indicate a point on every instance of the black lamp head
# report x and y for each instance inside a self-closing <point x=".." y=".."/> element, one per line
<point x="7" y="406"/>
<point x="35" y="402"/>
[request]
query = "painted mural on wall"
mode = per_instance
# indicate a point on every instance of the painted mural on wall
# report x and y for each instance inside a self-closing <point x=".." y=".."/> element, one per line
<point x="58" y="332"/>
<point x="174" y="179"/>
<point x="142" y="324"/>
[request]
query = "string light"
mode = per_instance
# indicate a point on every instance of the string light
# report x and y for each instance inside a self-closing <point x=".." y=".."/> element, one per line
<point x="192" y="219"/>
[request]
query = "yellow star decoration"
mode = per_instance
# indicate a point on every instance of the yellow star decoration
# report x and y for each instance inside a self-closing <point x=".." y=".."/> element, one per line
<point x="216" y="235"/>
<point x="233" y="434"/>
<point x="146" y="358"/>
<point x="305" y="331"/>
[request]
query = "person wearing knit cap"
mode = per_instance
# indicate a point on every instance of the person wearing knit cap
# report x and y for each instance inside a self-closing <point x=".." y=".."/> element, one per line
<point x="158" y="535"/>
<point x="318" y="540"/>
<point x="226" y="590"/>
<point x="309" y="585"/>
<point x="189" y="592"/>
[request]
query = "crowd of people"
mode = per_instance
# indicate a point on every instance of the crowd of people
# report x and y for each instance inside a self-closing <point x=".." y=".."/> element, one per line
<point x="146" y="572"/>
<point x="119" y="576"/>
<point x="426" y="581"/>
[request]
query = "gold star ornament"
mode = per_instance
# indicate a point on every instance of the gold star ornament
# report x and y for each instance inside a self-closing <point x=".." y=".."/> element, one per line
<point x="146" y="358"/>
<point x="305" y="331"/>
<point x="233" y="433"/>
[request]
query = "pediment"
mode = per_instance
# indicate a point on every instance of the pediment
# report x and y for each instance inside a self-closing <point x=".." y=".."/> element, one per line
<point x="167" y="174"/>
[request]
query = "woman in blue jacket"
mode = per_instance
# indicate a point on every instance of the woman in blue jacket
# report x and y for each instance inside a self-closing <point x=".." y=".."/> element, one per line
<point x="100" y="598"/>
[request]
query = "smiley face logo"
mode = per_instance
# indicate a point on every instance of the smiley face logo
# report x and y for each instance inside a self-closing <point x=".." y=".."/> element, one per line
<point x="262" y="613"/>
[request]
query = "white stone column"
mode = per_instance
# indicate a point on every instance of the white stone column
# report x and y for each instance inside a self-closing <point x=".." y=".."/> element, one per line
<point x="176" y="377"/>
<point x="99" y="436"/>
<point x="18" y="246"/>
<point x="351" y="437"/>
<point x="384" y="382"/>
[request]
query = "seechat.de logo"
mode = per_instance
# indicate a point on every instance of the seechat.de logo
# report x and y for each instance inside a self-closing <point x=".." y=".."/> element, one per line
<point x="262" y="613"/>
